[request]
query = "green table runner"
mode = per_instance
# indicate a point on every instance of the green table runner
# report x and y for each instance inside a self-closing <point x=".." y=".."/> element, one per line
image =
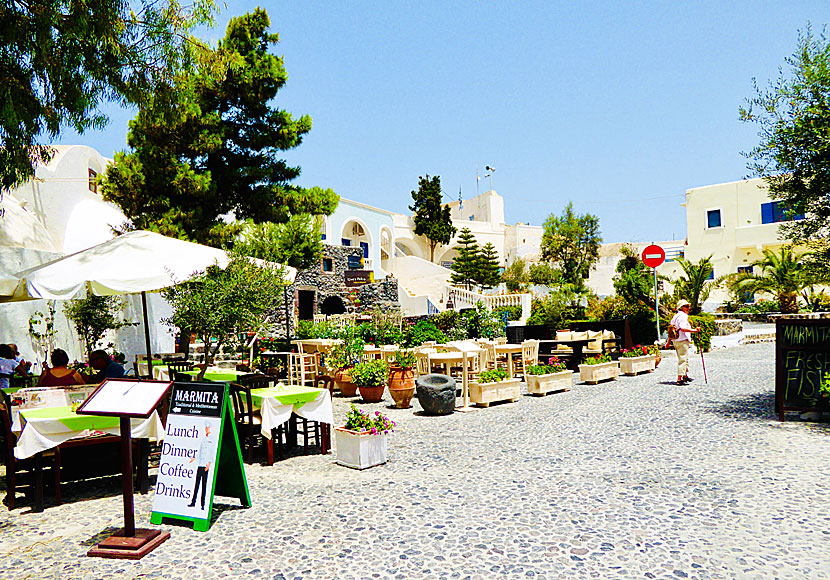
<point x="218" y="376"/>
<point x="290" y="395"/>
<point x="70" y="419"/>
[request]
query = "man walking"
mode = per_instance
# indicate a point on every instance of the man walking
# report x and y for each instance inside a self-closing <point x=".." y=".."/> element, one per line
<point x="206" y="446"/>
<point x="683" y="342"/>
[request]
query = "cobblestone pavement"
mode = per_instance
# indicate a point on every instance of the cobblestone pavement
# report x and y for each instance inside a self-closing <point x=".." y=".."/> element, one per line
<point x="637" y="478"/>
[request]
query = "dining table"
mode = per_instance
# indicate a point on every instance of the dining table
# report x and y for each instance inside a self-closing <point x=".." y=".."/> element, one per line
<point x="509" y="350"/>
<point x="277" y="404"/>
<point x="41" y="429"/>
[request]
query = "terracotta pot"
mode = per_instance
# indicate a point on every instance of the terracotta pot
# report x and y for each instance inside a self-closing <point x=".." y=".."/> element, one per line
<point x="402" y="386"/>
<point x="343" y="380"/>
<point x="372" y="394"/>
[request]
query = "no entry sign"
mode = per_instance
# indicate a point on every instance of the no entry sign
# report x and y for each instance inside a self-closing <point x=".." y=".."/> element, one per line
<point x="653" y="256"/>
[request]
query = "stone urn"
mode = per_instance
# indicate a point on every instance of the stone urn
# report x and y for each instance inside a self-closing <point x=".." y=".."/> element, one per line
<point x="402" y="386"/>
<point x="436" y="393"/>
<point x="344" y="382"/>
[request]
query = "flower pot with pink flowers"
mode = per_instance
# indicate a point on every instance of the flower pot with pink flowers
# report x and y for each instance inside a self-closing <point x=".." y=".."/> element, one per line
<point x="362" y="441"/>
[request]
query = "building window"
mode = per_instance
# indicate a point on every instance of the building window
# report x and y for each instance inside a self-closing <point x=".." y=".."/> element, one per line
<point x="93" y="185"/>
<point x="323" y="237"/>
<point x="711" y="275"/>
<point x="713" y="218"/>
<point x="328" y="265"/>
<point x="744" y="269"/>
<point x="345" y="242"/>
<point x="776" y="211"/>
<point x="365" y="247"/>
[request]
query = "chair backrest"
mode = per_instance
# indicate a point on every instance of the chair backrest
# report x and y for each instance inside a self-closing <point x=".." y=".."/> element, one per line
<point x="180" y="377"/>
<point x="530" y="351"/>
<point x="243" y="405"/>
<point x="324" y="382"/>
<point x="179" y="366"/>
<point x="256" y="381"/>
<point x="9" y="438"/>
<point x="422" y="363"/>
<point x="501" y="340"/>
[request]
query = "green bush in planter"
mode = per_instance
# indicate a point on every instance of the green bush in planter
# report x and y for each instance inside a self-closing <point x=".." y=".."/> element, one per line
<point x="349" y="351"/>
<point x="405" y="358"/>
<point x="555" y="365"/>
<point x="598" y="360"/>
<point x="372" y="373"/>
<point x="492" y="376"/>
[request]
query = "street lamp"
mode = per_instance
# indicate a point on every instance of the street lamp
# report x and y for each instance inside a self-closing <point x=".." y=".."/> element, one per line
<point x="490" y="171"/>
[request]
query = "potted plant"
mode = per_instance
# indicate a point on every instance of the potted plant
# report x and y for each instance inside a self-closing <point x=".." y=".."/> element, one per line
<point x="493" y="386"/>
<point x="344" y="356"/>
<point x="371" y="378"/>
<point x="599" y="368"/>
<point x="547" y="378"/>
<point x="361" y="441"/>
<point x="637" y="360"/>
<point x="402" y="378"/>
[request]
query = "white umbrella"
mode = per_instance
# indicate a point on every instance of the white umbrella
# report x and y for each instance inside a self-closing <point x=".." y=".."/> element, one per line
<point x="139" y="261"/>
<point x="8" y="283"/>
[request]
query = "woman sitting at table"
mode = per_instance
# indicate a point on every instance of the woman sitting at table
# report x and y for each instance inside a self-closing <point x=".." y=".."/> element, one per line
<point x="8" y="366"/>
<point x="60" y="375"/>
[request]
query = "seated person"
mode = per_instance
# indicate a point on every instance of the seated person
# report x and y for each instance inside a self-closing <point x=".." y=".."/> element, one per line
<point x="106" y="367"/>
<point x="60" y="375"/>
<point x="8" y="366"/>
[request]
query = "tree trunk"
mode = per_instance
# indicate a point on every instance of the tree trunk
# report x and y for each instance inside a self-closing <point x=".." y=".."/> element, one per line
<point x="788" y="302"/>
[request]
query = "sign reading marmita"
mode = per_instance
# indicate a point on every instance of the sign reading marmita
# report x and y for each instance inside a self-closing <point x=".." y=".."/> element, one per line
<point x="203" y="399"/>
<point x="802" y="357"/>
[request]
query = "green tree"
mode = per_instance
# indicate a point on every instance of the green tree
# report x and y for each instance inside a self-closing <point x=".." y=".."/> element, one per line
<point x="783" y="274"/>
<point x="209" y="144"/>
<point x="488" y="273"/>
<point x="544" y="275"/>
<point x="466" y="264"/>
<point x="515" y="276"/>
<point x="93" y="316"/>
<point x="222" y="304"/>
<point x="571" y="242"/>
<point x="695" y="284"/>
<point x="432" y="218"/>
<point x="793" y="156"/>
<point x="60" y="60"/>
<point x="296" y="243"/>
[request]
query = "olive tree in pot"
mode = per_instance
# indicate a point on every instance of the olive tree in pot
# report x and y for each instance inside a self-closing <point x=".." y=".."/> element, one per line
<point x="402" y="378"/>
<point x="344" y="356"/>
<point x="371" y="378"/>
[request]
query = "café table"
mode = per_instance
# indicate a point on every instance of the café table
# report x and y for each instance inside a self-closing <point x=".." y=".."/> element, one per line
<point x="277" y="403"/>
<point x="217" y="375"/>
<point x="509" y="350"/>
<point x="49" y="427"/>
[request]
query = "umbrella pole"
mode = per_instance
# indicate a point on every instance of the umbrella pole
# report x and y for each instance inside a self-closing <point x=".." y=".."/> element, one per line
<point x="147" y="335"/>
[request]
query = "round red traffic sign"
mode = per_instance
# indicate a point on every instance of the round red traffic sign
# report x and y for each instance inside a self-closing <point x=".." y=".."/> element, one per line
<point x="653" y="256"/>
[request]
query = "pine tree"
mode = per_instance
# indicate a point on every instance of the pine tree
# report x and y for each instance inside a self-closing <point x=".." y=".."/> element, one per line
<point x="488" y="274"/>
<point x="466" y="264"/>
<point x="432" y="218"/>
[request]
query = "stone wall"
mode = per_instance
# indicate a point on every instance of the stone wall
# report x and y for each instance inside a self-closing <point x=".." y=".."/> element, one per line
<point x="727" y="326"/>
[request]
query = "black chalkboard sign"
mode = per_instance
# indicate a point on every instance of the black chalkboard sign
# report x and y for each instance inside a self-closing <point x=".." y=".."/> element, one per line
<point x="802" y="357"/>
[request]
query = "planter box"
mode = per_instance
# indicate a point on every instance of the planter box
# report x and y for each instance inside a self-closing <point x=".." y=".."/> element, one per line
<point x="637" y="364"/>
<point x="543" y="384"/>
<point x="485" y="393"/>
<point x="359" y="450"/>
<point x="592" y="374"/>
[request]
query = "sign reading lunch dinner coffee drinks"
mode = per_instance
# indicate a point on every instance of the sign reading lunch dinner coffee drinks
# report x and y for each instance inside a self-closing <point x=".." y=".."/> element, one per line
<point x="200" y="455"/>
<point x="802" y="356"/>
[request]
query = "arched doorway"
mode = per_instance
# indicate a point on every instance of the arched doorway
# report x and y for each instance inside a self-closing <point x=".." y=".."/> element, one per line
<point x="356" y="235"/>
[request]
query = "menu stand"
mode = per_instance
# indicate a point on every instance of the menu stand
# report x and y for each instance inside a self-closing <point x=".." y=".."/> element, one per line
<point x="127" y="399"/>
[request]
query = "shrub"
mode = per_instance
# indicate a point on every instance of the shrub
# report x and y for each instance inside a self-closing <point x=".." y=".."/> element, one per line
<point x="598" y="360"/>
<point x="421" y="332"/>
<point x="640" y="317"/>
<point x="492" y="376"/>
<point x="706" y="322"/>
<point x="555" y="365"/>
<point x="372" y="373"/>
<point x="405" y="358"/>
<point x="348" y="352"/>
<point x="637" y="351"/>
<point x="513" y="312"/>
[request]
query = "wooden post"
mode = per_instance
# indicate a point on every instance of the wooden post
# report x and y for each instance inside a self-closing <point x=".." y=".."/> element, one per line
<point x="147" y="335"/>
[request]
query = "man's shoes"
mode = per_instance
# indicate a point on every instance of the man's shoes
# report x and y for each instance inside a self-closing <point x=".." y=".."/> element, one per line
<point x="680" y="383"/>
<point x="687" y="379"/>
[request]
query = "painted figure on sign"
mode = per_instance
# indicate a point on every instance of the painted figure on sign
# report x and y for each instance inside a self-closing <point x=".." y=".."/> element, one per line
<point x="206" y="446"/>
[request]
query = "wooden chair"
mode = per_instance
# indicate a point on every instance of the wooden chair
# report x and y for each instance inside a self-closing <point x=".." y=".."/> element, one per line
<point x="248" y="421"/>
<point x="30" y="469"/>
<point x="530" y="356"/>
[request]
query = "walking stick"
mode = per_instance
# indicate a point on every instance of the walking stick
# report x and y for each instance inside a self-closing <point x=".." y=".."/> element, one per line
<point x="702" y="361"/>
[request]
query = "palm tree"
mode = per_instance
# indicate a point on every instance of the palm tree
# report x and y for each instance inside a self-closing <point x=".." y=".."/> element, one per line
<point x="783" y="274"/>
<point x="693" y="285"/>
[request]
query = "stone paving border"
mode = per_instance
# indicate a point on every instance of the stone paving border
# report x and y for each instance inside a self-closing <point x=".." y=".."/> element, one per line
<point x="637" y="478"/>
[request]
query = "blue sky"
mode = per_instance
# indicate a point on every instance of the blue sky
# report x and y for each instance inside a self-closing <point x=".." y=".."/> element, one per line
<point x="618" y="107"/>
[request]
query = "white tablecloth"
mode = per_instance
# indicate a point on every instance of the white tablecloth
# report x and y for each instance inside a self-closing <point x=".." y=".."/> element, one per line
<point x="42" y="434"/>
<point x="275" y="413"/>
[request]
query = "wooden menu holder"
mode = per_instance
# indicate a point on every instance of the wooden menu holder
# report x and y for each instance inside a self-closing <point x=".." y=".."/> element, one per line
<point x="127" y="399"/>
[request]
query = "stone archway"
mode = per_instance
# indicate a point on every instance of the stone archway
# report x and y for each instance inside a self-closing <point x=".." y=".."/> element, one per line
<point x="356" y="234"/>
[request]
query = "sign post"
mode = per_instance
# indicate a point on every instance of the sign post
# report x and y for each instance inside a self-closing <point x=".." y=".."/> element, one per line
<point x="126" y="398"/>
<point x="200" y="456"/>
<point x="653" y="256"/>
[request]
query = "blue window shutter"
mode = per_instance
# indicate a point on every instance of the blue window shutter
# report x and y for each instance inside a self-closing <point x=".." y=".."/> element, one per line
<point x="345" y="242"/>
<point x="766" y="213"/>
<point x="322" y="236"/>
<point x="713" y="218"/>
<point x="365" y="247"/>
